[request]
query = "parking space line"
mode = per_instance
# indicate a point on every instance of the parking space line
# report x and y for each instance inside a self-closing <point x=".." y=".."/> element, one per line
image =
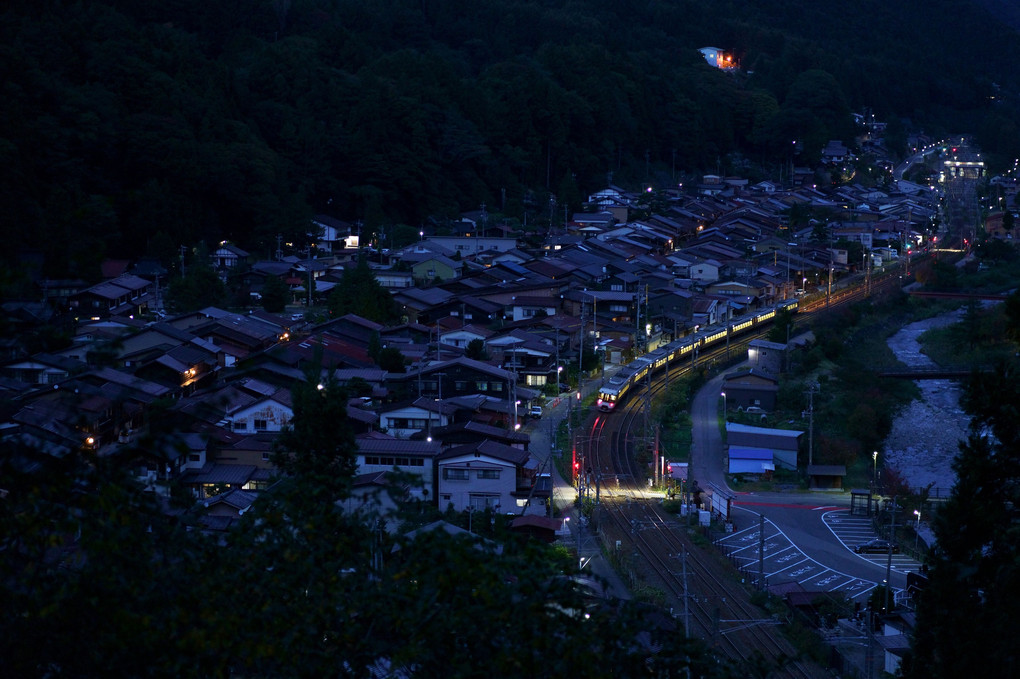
<point x="779" y="549"/>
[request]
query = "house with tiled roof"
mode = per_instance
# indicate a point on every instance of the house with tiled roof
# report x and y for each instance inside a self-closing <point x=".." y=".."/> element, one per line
<point x="124" y="295"/>
<point x="407" y="418"/>
<point x="462" y="335"/>
<point x="416" y="302"/>
<point x="384" y="454"/>
<point x="42" y="369"/>
<point x="485" y="475"/>
<point x="751" y="387"/>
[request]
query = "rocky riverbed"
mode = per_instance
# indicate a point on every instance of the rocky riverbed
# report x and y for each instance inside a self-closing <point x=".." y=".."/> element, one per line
<point x="925" y="436"/>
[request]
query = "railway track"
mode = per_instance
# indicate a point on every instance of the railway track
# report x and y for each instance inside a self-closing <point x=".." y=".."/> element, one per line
<point x="711" y="599"/>
<point x="704" y="592"/>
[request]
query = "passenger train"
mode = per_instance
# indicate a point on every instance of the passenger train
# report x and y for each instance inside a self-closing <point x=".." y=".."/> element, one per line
<point x="614" y="390"/>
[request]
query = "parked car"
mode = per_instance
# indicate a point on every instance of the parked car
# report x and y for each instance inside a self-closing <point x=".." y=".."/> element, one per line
<point x="876" y="547"/>
<point x="536" y="411"/>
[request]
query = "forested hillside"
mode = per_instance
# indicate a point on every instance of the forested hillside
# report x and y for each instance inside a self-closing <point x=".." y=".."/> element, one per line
<point x="128" y="126"/>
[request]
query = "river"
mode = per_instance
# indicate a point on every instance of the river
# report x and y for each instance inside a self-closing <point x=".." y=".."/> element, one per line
<point x="925" y="436"/>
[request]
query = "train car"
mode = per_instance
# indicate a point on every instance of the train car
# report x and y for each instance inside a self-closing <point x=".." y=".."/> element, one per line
<point x="613" y="391"/>
<point x="790" y="305"/>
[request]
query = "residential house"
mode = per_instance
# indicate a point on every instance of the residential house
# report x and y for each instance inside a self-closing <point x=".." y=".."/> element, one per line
<point x="329" y="234"/>
<point x="184" y="368"/>
<point x="254" y="450"/>
<point x="254" y="407"/>
<point x="42" y="369"/>
<point x="484" y="475"/>
<point x="415" y="303"/>
<point x="455" y="377"/>
<point x="529" y="356"/>
<point x="421" y="416"/>
<point x="471" y="245"/>
<point x="718" y="58"/>
<point x="461" y="337"/>
<point x="768" y="357"/>
<point x="392" y="279"/>
<point x="228" y="257"/>
<point x="525" y="307"/>
<point x="126" y="295"/>
<point x="237" y="336"/>
<point x="750" y="388"/>
<point x="705" y="271"/>
<point x="385" y="454"/>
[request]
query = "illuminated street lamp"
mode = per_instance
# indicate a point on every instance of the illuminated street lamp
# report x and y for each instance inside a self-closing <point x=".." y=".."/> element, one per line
<point x="874" y="478"/>
<point x="723" y="394"/>
<point x="917" y="531"/>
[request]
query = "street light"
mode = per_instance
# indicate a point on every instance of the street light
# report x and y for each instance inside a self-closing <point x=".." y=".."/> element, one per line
<point x="917" y="531"/>
<point x="723" y="394"/>
<point x="874" y="478"/>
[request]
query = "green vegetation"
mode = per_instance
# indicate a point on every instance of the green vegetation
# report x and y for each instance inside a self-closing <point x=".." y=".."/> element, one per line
<point x="306" y="582"/>
<point x="358" y="292"/>
<point x="131" y="128"/>
<point x="853" y="410"/>
<point x="976" y="568"/>
<point x="672" y="412"/>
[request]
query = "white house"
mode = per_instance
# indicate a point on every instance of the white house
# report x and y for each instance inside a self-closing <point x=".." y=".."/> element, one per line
<point x="484" y="475"/>
<point x="258" y="407"/>
<point x="705" y="271"/>
<point x="384" y="454"/>
<point x="461" y="337"/>
<point x="424" y="414"/>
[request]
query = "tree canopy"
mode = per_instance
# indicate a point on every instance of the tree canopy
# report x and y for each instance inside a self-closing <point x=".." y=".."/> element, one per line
<point x="306" y="583"/>
<point x="122" y="120"/>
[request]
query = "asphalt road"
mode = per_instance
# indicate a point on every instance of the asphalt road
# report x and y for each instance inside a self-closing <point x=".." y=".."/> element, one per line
<point x="810" y="535"/>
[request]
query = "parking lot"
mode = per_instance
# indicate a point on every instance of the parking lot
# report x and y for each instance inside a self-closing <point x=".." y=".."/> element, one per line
<point x="784" y="562"/>
<point x="852" y="531"/>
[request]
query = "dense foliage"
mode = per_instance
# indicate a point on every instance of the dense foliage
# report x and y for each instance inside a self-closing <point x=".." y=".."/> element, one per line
<point x="129" y="127"/>
<point x="975" y="571"/>
<point x="98" y="578"/>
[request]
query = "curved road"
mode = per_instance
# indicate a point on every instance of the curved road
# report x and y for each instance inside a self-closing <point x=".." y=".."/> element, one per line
<point x="809" y="535"/>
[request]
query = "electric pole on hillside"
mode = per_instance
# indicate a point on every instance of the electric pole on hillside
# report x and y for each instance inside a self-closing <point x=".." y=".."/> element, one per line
<point x="812" y="388"/>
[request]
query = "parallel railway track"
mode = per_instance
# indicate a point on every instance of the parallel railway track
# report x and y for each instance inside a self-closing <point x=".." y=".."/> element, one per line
<point x="711" y="600"/>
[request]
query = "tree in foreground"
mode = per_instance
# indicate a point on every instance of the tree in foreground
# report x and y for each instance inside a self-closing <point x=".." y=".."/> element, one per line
<point x="307" y="583"/>
<point x="968" y="613"/>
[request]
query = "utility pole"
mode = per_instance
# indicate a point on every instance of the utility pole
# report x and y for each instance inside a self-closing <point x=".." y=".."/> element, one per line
<point x="811" y="422"/>
<point x="888" y="563"/>
<point x="761" y="552"/>
<point x="687" y="600"/>
<point x="580" y="353"/>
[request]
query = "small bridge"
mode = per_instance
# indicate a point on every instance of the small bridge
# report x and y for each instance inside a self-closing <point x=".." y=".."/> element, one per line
<point x="934" y="373"/>
<point x="959" y="295"/>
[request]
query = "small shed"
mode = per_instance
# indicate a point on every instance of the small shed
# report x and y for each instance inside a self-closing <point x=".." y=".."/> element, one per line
<point x="826" y="476"/>
<point x="540" y="527"/>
